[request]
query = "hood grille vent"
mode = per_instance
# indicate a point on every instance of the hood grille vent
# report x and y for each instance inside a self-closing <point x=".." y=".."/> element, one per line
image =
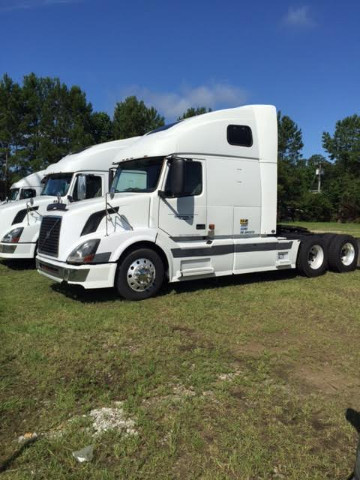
<point x="49" y="235"/>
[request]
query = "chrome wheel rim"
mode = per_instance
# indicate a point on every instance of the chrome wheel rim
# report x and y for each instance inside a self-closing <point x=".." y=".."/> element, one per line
<point x="141" y="275"/>
<point x="347" y="254"/>
<point x="316" y="257"/>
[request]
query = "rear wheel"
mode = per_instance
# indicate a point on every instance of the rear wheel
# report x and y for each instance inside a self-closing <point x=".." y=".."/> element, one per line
<point x="328" y="238"/>
<point x="312" y="257"/>
<point x="140" y="274"/>
<point x="343" y="253"/>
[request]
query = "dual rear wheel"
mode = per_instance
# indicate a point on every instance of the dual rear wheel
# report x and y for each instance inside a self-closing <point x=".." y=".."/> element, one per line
<point x="318" y="253"/>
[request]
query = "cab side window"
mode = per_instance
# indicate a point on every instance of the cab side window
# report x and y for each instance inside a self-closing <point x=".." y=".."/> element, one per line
<point x="93" y="186"/>
<point x="193" y="183"/>
<point x="87" y="186"/>
<point x="27" y="193"/>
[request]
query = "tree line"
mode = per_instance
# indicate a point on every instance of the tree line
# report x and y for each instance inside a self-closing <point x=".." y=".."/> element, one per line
<point x="299" y="197"/>
<point x="42" y="120"/>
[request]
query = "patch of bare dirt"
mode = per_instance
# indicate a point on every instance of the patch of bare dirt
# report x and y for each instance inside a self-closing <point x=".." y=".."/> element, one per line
<point x="182" y="329"/>
<point x="324" y="378"/>
<point x="317" y="378"/>
<point x="277" y="343"/>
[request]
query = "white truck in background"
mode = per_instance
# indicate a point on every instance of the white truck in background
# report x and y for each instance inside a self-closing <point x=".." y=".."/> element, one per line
<point x="195" y="200"/>
<point x="81" y="176"/>
<point x="28" y="187"/>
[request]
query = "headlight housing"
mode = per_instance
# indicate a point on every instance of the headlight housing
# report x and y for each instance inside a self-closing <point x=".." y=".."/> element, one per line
<point x="84" y="253"/>
<point x="13" y="236"/>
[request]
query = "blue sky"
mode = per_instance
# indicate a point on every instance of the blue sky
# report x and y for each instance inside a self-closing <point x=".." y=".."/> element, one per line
<point x="302" y="57"/>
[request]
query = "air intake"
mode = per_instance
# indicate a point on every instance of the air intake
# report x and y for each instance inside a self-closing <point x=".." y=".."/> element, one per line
<point x="49" y="236"/>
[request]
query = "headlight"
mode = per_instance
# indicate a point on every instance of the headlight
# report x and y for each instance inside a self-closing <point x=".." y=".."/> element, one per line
<point x="84" y="253"/>
<point x="13" y="236"/>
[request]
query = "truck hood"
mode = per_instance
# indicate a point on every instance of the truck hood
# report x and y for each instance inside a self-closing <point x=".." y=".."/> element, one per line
<point x="14" y="214"/>
<point x="80" y="222"/>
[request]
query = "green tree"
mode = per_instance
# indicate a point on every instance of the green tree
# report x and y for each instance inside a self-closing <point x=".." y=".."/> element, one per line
<point x="291" y="171"/>
<point x="11" y="116"/>
<point x="344" y="146"/>
<point x="101" y="127"/>
<point x="57" y="121"/>
<point x="193" y="112"/>
<point x="315" y="207"/>
<point x="132" y="118"/>
<point x="290" y="141"/>
<point x="344" y="183"/>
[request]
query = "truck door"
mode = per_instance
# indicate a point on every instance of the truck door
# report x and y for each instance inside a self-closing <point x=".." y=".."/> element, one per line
<point x="185" y="216"/>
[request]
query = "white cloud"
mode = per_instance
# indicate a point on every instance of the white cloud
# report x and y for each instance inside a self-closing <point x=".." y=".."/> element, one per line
<point x="174" y="104"/>
<point x="9" y="5"/>
<point x="299" y="17"/>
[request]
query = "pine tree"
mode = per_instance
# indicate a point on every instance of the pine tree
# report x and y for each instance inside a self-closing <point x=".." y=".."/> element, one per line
<point x="132" y="118"/>
<point x="193" y="112"/>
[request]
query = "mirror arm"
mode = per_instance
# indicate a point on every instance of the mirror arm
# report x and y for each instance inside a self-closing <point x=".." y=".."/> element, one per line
<point x="162" y="194"/>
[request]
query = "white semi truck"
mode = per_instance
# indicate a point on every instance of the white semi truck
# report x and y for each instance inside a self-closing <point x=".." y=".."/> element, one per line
<point x="195" y="200"/>
<point x="76" y="177"/>
<point x="27" y="187"/>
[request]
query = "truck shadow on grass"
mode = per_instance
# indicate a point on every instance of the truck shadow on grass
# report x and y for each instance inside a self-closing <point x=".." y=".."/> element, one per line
<point x="106" y="295"/>
<point x="19" y="264"/>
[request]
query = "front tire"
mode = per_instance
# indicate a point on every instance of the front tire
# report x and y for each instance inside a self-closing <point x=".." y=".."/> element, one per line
<point x="343" y="253"/>
<point x="312" y="258"/>
<point x="140" y="274"/>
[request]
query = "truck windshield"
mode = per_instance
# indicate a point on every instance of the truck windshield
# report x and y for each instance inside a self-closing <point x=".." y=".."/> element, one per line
<point x="137" y="175"/>
<point x="14" y="192"/>
<point x="57" y="185"/>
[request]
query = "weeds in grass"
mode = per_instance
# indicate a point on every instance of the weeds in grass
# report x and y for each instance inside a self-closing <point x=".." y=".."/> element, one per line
<point x="244" y="378"/>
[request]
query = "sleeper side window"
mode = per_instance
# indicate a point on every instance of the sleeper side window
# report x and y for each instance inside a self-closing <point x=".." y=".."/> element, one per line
<point x="193" y="183"/>
<point x="240" y="135"/>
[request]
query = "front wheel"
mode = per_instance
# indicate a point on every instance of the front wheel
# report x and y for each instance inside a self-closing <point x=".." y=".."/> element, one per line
<point x="140" y="274"/>
<point x="312" y="257"/>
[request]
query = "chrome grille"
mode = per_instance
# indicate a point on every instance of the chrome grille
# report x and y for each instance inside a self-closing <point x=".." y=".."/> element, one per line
<point x="49" y="235"/>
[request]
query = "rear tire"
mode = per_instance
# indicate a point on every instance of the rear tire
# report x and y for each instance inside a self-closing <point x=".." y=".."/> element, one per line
<point x="312" y="258"/>
<point x="343" y="253"/>
<point x="140" y="274"/>
<point x="328" y="238"/>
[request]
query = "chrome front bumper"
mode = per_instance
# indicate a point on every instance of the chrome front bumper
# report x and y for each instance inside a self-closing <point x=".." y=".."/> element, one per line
<point x="89" y="276"/>
<point x="61" y="274"/>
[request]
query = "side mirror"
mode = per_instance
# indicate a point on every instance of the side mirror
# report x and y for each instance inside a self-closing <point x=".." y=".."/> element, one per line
<point x="70" y="198"/>
<point x="81" y="187"/>
<point x="112" y="172"/>
<point x="31" y="201"/>
<point x="177" y="177"/>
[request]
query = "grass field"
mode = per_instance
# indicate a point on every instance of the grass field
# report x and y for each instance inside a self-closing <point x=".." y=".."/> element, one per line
<point x="241" y="378"/>
<point x="349" y="228"/>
